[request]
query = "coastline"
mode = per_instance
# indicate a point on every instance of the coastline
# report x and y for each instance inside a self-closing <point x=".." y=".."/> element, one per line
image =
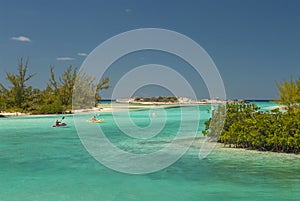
<point x="196" y="143"/>
<point x="10" y="114"/>
<point x="120" y="106"/>
<point x="103" y="108"/>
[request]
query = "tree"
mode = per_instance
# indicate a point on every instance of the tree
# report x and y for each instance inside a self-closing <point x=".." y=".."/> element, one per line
<point x="2" y="99"/>
<point x="59" y="93"/>
<point x="52" y="82"/>
<point x="67" y="81"/>
<point x="86" y="91"/>
<point x="101" y="86"/>
<point x="73" y="89"/>
<point x="56" y="98"/>
<point x="289" y="92"/>
<point x="18" y="91"/>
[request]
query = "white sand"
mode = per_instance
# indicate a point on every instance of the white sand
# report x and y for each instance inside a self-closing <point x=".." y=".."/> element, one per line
<point x="8" y="114"/>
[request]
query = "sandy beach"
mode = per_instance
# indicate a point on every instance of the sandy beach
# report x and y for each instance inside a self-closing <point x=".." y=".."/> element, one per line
<point x="9" y="114"/>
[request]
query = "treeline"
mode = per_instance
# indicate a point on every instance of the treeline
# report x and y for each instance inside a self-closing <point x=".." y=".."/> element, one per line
<point x="166" y="99"/>
<point x="245" y="126"/>
<point x="55" y="98"/>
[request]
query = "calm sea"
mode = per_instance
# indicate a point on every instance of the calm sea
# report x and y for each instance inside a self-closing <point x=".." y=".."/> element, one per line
<point x="38" y="162"/>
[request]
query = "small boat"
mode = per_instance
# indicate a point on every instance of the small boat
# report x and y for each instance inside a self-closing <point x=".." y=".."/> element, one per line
<point x="95" y="121"/>
<point x="59" y="125"/>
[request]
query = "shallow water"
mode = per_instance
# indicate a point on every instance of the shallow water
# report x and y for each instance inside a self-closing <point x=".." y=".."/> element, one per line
<point x="38" y="162"/>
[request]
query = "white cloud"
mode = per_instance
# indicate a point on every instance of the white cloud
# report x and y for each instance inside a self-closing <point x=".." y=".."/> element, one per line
<point x="82" y="54"/>
<point x="64" y="59"/>
<point x="128" y="10"/>
<point x="21" y="38"/>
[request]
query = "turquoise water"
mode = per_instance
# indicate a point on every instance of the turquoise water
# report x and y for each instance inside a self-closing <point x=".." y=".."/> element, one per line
<point x="38" y="162"/>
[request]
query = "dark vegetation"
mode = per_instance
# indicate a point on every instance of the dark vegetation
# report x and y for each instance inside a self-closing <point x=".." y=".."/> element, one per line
<point x="245" y="126"/>
<point x="166" y="99"/>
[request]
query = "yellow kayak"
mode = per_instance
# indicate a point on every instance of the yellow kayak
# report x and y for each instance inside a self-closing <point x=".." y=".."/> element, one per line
<point x="96" y="121"/>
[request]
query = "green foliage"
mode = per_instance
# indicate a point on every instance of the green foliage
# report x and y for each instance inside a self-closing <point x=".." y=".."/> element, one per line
<point x="18" y="92"/>
<point x="246" y="127"/>
<point x="289" y="92"/>
<point x="214" y="125"/>
<point x="86" y="94"/>
<point x="63" y="89"/>
<point x="52" y="108"/>
<point x="101" y="86"/>
<point x="56" y="98"/>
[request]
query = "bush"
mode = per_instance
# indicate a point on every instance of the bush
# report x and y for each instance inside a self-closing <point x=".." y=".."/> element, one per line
<point x="246" y="127"/>
<point x="54" y="108"/>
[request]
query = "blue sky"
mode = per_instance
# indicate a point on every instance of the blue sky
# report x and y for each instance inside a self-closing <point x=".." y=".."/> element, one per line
<point x="253" y="43"/>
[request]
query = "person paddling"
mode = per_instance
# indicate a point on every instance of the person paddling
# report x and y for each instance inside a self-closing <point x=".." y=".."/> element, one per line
<point x="57" y="122"/>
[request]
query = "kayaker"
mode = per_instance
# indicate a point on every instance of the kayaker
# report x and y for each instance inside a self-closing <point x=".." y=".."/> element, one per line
<point x="57" y="122"/>
<point x="94" y="118"/>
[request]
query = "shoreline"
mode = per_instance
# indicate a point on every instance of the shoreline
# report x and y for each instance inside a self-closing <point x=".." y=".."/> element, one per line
<point x="123" y="106"/>
<point x="258" y="151"/>
<point x="12" y="114"/>
<point x="105" y="108"/>
<point x="198" y="141"/>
